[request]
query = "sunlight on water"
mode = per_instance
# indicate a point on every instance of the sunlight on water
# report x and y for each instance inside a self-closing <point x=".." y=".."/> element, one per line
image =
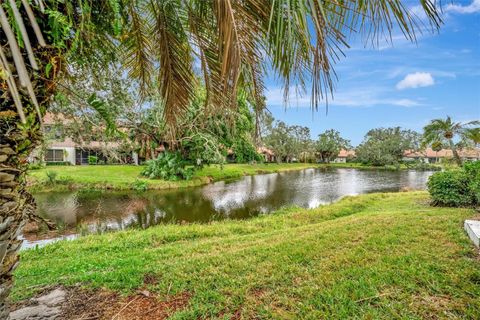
<point x="96" y="212"/>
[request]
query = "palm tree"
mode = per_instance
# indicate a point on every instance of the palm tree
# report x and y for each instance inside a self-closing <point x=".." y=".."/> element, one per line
<point x="444" y="131"/>
<point x="473" y="135"/>
<point x="159" y="43"/>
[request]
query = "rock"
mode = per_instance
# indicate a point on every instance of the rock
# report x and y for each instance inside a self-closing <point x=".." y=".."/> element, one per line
<point x="40" y="312"/>
<point x="46" y="307"/>
<point x="54" y="298"/>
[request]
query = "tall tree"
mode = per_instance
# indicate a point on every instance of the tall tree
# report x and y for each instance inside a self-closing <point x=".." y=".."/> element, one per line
<point x="472" y="135"/>
<point x="158" y="42"/>
<point x="386" y="146"/>
<point x="329" y="144"/>
<point x="444" y="132"/>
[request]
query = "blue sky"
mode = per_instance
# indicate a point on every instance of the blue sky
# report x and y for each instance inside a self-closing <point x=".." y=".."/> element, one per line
<point x="403" y="84"/>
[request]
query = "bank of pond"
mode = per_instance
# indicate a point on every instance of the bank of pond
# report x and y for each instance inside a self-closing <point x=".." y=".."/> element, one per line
<point x="376" y="256"/>
<point x="84" y="212"/>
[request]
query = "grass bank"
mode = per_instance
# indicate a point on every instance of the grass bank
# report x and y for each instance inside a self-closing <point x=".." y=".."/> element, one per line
<point x="377" y="256"/>
<point x="125" y="177"/>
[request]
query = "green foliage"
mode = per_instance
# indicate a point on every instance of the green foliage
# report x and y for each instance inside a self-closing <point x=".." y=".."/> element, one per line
<point x="92" y="160"/>
<point x="36" y="166"/>
<point x="375" y="256"/>
<point x="168" y="166"/>
<point x="60" y="28"/>
<point x="140" y="185"/>
<point x="440" y="133"/>
<point x="102" y="108"/>
<point x="329" y="145"/>
<point x="58" y="163"/>
<point x="51" y="177"/>
<point x="202" y="149"/>
<point x="422" y="166"/>
<point x="386" y="146"/>
<point x="288" y="142"/>
<point x="245" y="152"/>
<point x="456" y="188"/>
<point x="473" y="171"/>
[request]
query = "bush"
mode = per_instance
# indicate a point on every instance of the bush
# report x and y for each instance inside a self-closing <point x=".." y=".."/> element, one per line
<point x="92" y="160"/>
<point x="140" y="185"/>
<point x="51" y="177"/>
<point x="35" y="166"/>
<point x="422" y="166"/>
<point x="168" y="166"/>
<point x="456" y="188"/>
<point x="58" y="163"/>
<point x="245" y="152"/>
<point x="473" y="171"/>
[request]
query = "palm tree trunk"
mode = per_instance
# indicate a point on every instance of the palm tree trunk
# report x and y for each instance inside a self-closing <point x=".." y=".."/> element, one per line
<point x="17" y="142"/>
<point x="456" y="156"/>
<point x="15" y="206"/>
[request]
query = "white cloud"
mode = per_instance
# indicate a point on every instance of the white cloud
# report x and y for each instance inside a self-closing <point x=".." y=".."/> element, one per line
<point x="405" y="103"/>
<point x="457" y="8"/>
<point x="416" y="80"/>
<point x="358" y="97"/>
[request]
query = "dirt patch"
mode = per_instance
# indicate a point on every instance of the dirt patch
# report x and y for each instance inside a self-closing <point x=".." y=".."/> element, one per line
<point x="78" y="303"/>
<point x="436" y="307"/>
<point x="150" y="279"/>
<point x="148" y="307"/>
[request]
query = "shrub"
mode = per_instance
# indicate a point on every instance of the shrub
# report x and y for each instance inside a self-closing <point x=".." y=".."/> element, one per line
<point x="168" y="166"/>
<point x="35" y="166"/>
<point x="92" y="160"/>
<point x="245" y="152"/>
<point x="51" y="176"/>
<point x="58" y="163"/>
<point x="473" y="171"/>
<point x="422" y="166"/>
<point x="140" y="185"/>
<point x="456" y="188"/>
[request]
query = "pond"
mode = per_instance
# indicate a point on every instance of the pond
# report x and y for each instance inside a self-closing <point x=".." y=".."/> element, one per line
<point x="83" y="212"/>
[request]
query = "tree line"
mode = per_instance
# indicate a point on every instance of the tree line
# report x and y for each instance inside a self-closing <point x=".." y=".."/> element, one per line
<point x="380" y="146"/>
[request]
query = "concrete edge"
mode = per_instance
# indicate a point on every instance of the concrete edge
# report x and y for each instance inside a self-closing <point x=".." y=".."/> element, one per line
<point x="472" y="227"/>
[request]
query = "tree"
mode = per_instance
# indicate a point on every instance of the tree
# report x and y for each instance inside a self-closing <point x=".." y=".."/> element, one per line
<point x="444" y="131"/>
<point x="386" y="146"/>
<point x="288" y="142"/>
<point x="472" y="135"/>
<point x="303" y="142"/>
<point x="329" y="145"/>
<point x="157" y="42"/>
<point x="281" y="142"/>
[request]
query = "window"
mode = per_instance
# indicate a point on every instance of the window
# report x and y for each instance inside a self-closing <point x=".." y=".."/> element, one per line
<point x="54" y="155"/>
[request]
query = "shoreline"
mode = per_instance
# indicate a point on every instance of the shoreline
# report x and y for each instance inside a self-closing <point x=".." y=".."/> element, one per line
<point x="387" y="240"/>
<point x="126" y="177"/>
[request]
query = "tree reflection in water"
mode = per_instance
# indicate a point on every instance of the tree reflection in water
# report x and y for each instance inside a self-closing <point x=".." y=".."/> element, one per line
<point x="97" y="212"/>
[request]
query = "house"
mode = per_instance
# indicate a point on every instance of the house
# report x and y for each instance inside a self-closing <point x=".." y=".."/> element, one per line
<point x="267" y="154"/>
<point x="430" y="156"/>
<point x="63" y="149"/>
<point x="343" y="155"/>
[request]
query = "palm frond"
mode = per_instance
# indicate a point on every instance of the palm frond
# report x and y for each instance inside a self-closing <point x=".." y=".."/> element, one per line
<point x="137" y="48"/>
<point x="233" y="40"/>
<point x="176" y="80"/>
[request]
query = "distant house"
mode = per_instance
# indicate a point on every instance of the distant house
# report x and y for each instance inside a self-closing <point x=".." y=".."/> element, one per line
<point x="344" y="155"/>
<point x="268" y="155"/>
<point x="62" y="149"/>
<point x="430" y="156"/>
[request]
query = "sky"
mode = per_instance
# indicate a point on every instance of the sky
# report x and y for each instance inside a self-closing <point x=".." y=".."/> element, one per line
<point x="401" y="84"/>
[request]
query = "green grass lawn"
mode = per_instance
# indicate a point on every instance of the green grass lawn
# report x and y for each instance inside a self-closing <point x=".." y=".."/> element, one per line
<point x="377" y="256"/>
<point x="123" y="177"/>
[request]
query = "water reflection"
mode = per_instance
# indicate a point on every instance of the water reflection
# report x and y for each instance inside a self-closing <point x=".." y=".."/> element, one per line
<point x="90" y="212"/>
